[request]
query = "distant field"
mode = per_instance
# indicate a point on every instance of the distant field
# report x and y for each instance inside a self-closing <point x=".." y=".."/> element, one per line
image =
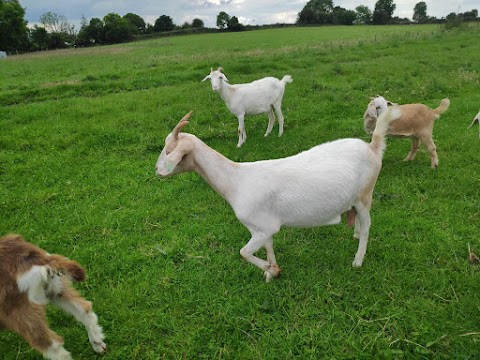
<point x="81" y="130"/>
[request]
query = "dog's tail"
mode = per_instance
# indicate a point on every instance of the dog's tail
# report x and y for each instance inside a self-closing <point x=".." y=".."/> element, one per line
<point x="61" y="265"/>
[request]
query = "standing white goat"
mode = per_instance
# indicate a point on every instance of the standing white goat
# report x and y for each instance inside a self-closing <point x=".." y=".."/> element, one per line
<point x="312" y="188"/>
<point x="416" y="122"/>
<point x="476" y="119"/>
<point x="258" y="97"/>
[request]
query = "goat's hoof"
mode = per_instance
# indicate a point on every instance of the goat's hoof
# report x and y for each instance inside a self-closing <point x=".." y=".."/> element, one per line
<point x="99" y="347"/>
<point x="268" y="276"/>
<point x="357" y="263"/>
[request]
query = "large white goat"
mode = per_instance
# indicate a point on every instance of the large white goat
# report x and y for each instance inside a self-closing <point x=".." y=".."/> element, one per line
<point x="258" y="97"/>
<point x="312" y="188"/>
<point x="416" y="122"/>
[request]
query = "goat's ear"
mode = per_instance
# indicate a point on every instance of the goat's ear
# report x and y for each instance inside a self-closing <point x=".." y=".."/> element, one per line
<point x="391" y="103"/>
<point x="206" y="78"/>
<point x="224" y="77"/>
<point x="372" y="111"/>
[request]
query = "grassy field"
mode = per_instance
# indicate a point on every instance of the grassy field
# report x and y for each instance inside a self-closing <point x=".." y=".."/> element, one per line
<point x="81" y="130"/>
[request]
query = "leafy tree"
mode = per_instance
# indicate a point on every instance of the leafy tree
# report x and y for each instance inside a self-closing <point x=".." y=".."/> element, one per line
<point x="420" y="12"/>
<point x="316" y="12"/>
<point x="39" y="38"/>
<point x="93" y="33"/>
<point x="13" y="27"/>
<point x="186" y="25"/>
<point x="197" y="23"/>
<point x="234" y="24"/>
<point x="364" y="15"/>
<point x="343" y="16"/>
<point x="222" y="20"/>
<point x="470" y="15"/>
<point x="383" y="12"/>
<point x="117" y="29"/>
<point x="137" y="23"/>
<point x="164" y="23"/>
<point x="58" y="40"/>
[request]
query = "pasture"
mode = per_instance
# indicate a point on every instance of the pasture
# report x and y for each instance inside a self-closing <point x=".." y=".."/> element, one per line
<point x="81" y="130"/>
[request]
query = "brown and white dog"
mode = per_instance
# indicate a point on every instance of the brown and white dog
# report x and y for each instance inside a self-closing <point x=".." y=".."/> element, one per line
<point x="30" y="278"/>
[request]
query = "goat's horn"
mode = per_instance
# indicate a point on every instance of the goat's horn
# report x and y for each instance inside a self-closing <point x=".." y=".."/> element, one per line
<point x="181" y="124"/>
<point x="211" y="69"/>
<point x="220" y="69"/>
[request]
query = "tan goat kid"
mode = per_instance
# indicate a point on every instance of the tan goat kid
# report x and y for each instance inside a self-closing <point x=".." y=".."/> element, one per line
<point x="416" y="122"/>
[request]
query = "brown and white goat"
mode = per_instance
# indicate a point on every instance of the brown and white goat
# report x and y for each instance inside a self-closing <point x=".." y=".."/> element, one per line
<point x="416" y="122"/>
<point x="30" y="279"/>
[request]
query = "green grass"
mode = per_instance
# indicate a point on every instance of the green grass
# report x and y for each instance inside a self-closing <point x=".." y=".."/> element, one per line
<point x="80" y="134"/>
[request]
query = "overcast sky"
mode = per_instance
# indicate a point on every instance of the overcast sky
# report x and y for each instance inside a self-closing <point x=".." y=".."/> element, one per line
<point x="247" y="11"/>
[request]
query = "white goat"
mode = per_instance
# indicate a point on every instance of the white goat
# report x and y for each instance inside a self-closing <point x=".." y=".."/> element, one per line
<point x="312" y="188"/>
<point x="258" y="97"/>
<point x="416" y="122"/>
<point x="476" y="119"/>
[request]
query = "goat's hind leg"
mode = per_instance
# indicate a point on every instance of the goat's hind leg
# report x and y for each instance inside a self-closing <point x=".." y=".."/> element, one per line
<point x="432" y="149"/>
<point x="278" y="110"/>
<point x="72" y="303"/>
<point x="271" y="121"/>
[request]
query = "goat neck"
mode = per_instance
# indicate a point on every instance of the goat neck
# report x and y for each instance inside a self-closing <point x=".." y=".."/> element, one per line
<point x="218" y="171"/>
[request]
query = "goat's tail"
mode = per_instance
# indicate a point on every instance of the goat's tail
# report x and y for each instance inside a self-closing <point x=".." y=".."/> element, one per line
<point x="72" y="269"/>
<point x="286" y="79"/>
<point x="378" y="138"/>
<point x="442" y="108"/>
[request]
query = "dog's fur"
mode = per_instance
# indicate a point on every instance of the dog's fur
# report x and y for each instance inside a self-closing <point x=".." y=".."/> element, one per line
<point x="30" y="278"/>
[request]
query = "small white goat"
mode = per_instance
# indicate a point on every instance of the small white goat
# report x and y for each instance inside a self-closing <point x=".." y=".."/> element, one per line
<point x="258" y="97"/>
<point x="476" y="119"/>
<point x="312" y="188"/>
<point x="416" y="122"/>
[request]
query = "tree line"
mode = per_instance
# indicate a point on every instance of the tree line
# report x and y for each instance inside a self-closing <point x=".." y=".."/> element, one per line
<point x="56" y="32"/>
<point x="323" y="12"/>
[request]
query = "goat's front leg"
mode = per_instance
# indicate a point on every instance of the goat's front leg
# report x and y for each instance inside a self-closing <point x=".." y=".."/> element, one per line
<point x="242" y="135"/>
<point x="270" y="267"/>
<point x="363" y="217"/>
<point x="72" y="303"/>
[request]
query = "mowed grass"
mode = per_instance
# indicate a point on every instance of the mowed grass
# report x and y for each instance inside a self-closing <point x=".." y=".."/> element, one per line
<point x="81" y="130"/>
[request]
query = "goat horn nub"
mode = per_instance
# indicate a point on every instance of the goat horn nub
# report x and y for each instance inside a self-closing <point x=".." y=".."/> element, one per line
<point x="181" y="124"/>
<point x="220" y="69"/>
